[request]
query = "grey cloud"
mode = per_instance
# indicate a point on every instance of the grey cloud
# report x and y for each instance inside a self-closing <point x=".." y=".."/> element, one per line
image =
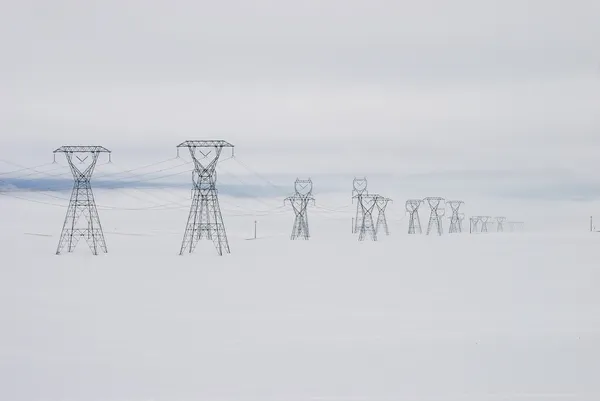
<point x="321" y="87"/>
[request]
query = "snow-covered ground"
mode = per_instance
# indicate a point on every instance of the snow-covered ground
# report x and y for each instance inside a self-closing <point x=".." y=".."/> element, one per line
<point x="513" y="316"/>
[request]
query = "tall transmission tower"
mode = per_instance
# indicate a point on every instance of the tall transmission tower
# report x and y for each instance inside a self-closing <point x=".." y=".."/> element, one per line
<point x="414" y="222"/>
<point x="500" y="224"/>
<point x="381" y="203"/>
<point x="367" y="204"/>
<point x="82" y="201"/>
<point x="455" y="221"/>
<point x="359" y="188"/>
<point x="205" y="220"/>
<point x="435" y="218"/>
<point x="299" y="201"/>
<point x="485" y="220"/>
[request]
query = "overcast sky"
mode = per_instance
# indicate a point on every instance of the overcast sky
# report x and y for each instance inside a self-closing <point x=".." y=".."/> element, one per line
<point x="316" y="85"/>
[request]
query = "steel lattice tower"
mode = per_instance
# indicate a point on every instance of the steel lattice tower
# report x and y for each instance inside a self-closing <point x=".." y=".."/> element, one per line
<point x="205" y="220"/>
<point x="414" y="222"/>
<point x="82" y="201"/>
<point x="500" y="221"/>
<point x="359" y="188"/>
<point x="299" y="201"/>
<point x="367" y="203"/>
<point x="515" y="225"/>
<point x="485" y="220"/>
<point x="474" y="221"/>
<point x="435" y="218"/>
<point x="381" y="203"/>
<point x="455" y="221"/>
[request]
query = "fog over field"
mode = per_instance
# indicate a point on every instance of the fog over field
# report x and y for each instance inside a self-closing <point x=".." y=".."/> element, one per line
<point x="495" y="103"/>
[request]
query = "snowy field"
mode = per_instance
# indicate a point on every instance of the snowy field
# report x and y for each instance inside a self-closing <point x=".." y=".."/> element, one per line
<point x="511" y="316"/>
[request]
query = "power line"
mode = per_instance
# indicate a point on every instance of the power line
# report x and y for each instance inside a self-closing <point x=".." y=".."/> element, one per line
<point x="22" y="168"/>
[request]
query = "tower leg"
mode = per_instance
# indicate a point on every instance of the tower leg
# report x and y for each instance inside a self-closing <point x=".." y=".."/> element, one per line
<point x="190" y="233"/>
<point x="217" y="228"/>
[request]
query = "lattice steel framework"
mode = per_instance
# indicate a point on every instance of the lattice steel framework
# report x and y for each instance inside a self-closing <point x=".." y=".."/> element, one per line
<point x="485" y="220"/>
<point x="455" y="221"/>
<point x="414" y="222"/>
<point x="382" y="203"/>
<point x="515" y="225"/>
<point x="359" y="188"/>
<point x="82" y="201"/>
<point x="300" y="201"/>
<point x="367" y="203"/>
<point x="474" y="221"/>
<point x="500" y="224"/>
<point x="205" y="220"/>
<point x="437" y="213"/>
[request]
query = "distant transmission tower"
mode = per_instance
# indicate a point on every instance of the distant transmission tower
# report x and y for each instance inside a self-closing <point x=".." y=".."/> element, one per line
<point x="474" y="221"/>
<point x="205" y="220"/>
<point x="367" y="203"/>
<point x="359" y="188"/>
<point x="455" y="221"/>
<point x="435" y="218"/>
<point x="485" y="220"/>
<point x="82" y="201"/>
<point x="414" y="222"/>
<point x="500" y="224"/>
<point x="299" y="201"/>
<point x="515" y="225"/>
<point x="381" y="203"/>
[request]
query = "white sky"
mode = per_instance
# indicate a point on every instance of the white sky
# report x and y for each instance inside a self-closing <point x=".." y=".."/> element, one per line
<point x="317" y="86"/>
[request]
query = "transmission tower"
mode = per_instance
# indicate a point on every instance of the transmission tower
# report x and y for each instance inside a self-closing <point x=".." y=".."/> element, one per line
<point x="205" y="220"/>
<point x="461" y="218"/>
<point x="381" y="203"/>
<point x="367" y="203"/>
<point x="435" y="218"/>
<point x="299" y="201"/>
<point x="414" y="222"/>
<point x="82" y="201"/>
<point x="359" y="188"/>
<point x="500" y="224"/>
<point x="515" y="225"/>
<point x="485" y="220"/>
<point x="474" y="221"/>
<point x="455" y="221"/>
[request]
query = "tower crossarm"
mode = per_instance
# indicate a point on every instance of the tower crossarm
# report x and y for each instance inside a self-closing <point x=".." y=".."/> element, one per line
<point x="455" y="205"/>
<point x="382" y="202"/>
<point x="200" y="151"/>
<point x="205" y="144"/>
<point x="82" y="149"/>
<point x="412" y="205"/>
<point x="433" y="201"/>
<point x="299" y="198"/>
